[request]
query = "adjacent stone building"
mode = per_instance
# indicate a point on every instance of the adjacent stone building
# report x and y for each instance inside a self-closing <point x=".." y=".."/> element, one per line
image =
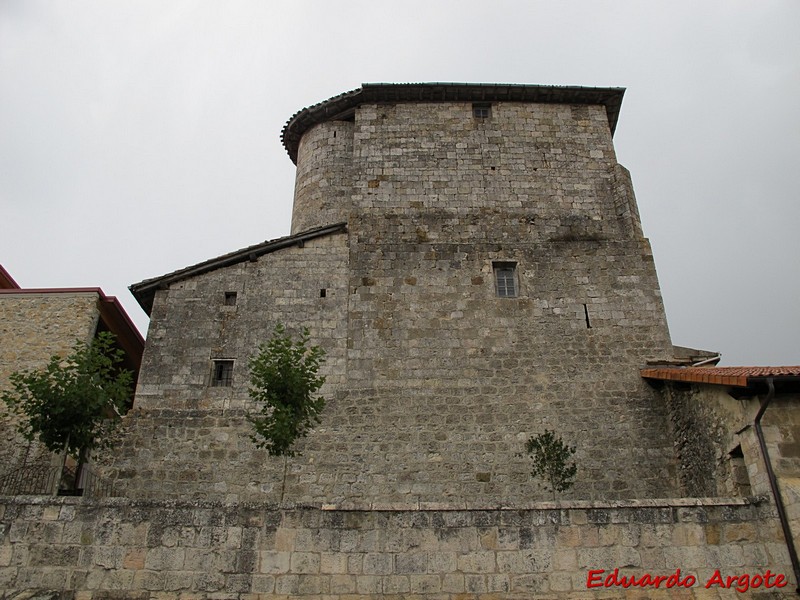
<point x="737" y="433"/>
<point x="471" y="259"/>
<point x="36" y="324"/>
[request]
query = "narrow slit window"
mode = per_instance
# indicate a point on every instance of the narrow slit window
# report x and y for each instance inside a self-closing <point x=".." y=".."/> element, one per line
<point x="505" y="277"/>
<point x="222" y="374"/>
<point x="323" y="292"/>
<point x="230" y="298"/>
<point x="586" y="314"/>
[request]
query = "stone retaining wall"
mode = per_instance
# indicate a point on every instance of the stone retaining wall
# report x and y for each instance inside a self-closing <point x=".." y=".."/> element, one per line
<point x="119" y="548"/>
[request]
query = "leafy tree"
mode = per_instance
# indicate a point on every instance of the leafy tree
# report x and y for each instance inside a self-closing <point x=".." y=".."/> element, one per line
<point x="284" y="380"/>
<point x="71" y="404"/>
<point x="551" y="461"/>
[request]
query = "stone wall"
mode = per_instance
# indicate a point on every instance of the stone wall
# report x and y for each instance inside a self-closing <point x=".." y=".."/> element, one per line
<point x="548" y="162"/>
<point x="718" y="449"/>
<point x="324" y="179"/>
<point x="433" y="382"/>
<point x="468" y="376"/>
<point x="441" y="196"/>
<point x="198" y="550"/>
<point x="704" y="422"/>
<point x="715" y="437"/>
<point x="781" y="426"/>
<point x="191" y="324"/>
<point x="34" y="327"/>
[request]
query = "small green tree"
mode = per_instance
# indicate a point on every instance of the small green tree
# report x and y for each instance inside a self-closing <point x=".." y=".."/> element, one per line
<point x="284" y="380"/>
<point x="551" y="461"/>
<point x="71" y="405"/>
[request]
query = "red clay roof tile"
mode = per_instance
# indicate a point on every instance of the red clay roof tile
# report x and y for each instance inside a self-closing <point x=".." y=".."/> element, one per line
<point x="736" y="376"/>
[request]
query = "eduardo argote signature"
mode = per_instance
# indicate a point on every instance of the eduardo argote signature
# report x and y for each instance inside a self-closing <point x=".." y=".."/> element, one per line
<point x="741" y="582"/>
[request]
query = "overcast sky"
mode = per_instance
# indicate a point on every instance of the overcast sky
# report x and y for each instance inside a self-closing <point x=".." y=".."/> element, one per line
<point x="140" y="137"/>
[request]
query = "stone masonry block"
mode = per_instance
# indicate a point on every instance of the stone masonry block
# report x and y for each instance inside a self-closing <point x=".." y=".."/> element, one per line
<point x="342" y="584"/>
<point x="272" y="562"/>
<point x="416" y="562"/>
<point x="477" y="562"/>
<point x="333" y="563"/>
<point x="377" y="564"/>
<point x="396" y="584"/>
<point x="305" y="562"/>
<point x="369" y="584"/>
<point x="165" y="559"/>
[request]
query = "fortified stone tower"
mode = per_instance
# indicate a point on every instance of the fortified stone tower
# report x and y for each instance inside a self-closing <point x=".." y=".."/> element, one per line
<point x="471" y="259"/>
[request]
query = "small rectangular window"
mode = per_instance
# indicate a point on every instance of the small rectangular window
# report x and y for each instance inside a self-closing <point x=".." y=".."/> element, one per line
<point x="222" y="376"/>
<point x="230" y="298"/>
<point x="481" y="110"/>
<point x="505" y="277"/>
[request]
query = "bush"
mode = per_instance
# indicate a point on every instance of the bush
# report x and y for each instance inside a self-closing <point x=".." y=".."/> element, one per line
<point x="551" y="461"/>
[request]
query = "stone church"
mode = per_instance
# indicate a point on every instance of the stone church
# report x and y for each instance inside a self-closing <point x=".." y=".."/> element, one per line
<point x="471" y="259"/>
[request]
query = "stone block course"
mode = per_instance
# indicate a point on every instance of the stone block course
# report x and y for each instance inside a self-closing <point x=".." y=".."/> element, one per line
<point x="538" y="559"/>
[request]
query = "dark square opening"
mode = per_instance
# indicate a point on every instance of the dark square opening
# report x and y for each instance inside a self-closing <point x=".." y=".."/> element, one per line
<point x="482" y="110"/>
<point x="222" y="376"/>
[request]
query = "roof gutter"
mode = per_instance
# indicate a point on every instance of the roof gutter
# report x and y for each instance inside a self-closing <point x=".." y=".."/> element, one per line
<point x="713" y="360"/>
<point x="773" y="484"/>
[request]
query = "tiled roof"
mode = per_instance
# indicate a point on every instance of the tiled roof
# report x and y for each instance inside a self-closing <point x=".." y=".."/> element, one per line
<point x="737" y="376"/>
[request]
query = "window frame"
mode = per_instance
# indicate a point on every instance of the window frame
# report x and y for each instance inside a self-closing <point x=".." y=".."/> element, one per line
<point x="505" y="271"/>
<point x="482" y="110"/>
